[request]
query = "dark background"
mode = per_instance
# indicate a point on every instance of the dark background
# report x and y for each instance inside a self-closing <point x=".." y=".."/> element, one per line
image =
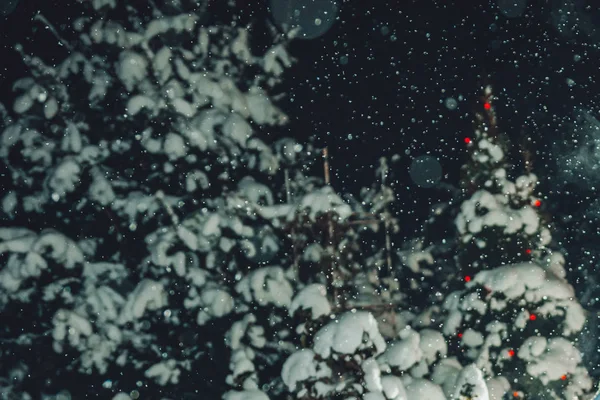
<point x="376" y="84"/>
<point x="406" y="58"/>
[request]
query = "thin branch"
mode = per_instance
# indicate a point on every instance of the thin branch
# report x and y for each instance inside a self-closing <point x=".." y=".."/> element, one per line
<point x="61" y="40"/>
<point x="386" y="219"/>
<point x="365" y="222"/>
<point x="330" y="233"/>
<point x="288" y="196"/>
<point x="385" y="306"/>
<point x="160" y="196"/>
<point x="388" y="241"/>
<point x="26" y="337"/>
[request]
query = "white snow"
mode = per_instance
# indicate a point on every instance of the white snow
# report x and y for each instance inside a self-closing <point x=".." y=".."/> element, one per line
<point x="423" y="389"/>
<point x="302" y="366"/>
<point x="470" y="382"/>
<point x="493" y="150"/>
<point x="255" y="192"/>
<point x="131" y="68"/>
<point x="243" y="338"/>
<point x="196" y="179"/>
<point x="62" y="249"/>
<point x="267" y="285"/>
<point x="240" y="363"/>
<point x="160" y="63"/>
<point x="212" y="226"/>
<point x="23" y="103"/>
<point x="101" y="190"/>
<point x="432" y="344"/>
<point x="10" y="136"/>
<point x="50" y="108"/>
<point x="245" y="327"/>
<point x="71" y="326"/>
<point x="9" y="203"/>
<point x="19" y="268"/>
<point x="148" y="295"/>
<point x="324" y="200"/>
<point x="403" y="354"/>
<point x="472" y="338"/>
<point x="445" y="374"/>
<point x="164" y="373"/>
<point x="373" y="396"/>
<point x="265" y="159"/>
<point x="238" y="129"/>
<point x="350" y="332"/>
<point x="512" y="280"/>
<point x="276" y="60"/>
<point x="183" y="107"/>
<point x="393" y="388"/>
<point x="525" y="184"/>
<point x="277" y="211"/>
<point x="72" y="141"/>
<point x="174" y="146"/>
<point x="313" y="253"/>
<point x="372" y="375"/>
<point x="497" y="387"/>
<point x="472" y="301"/>
<point x="555" y="263"/>
<point x="532" y="347"/>
<point x="453" y="320"/>
<point x="216" y="303"/>
<point x="413" y="259"/>
<point x="549" y="359"/>
<point x="138" y="102"/>
<point x="536" y="285"/>
<point x="497" y="213"/>
<point x="65" y="178"/>
<point x="262" y="111"/>
<point x="245" y="395"/>
<point x="314" y="298"/>
<point x="98" y="4"/>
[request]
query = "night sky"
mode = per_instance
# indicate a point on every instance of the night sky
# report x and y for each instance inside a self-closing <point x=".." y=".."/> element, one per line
<point x="376" y="84"/>
<point x="406" y="58"/>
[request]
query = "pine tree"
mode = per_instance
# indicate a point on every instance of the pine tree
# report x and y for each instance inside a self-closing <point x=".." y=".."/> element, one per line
<point x="379" y="343"/>
<point x="517" y="316"/>
<point x="148" y="244"/>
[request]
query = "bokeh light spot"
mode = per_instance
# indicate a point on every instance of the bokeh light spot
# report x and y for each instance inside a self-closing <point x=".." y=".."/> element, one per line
<point x="313" y="17"/>
<point x="425" y="171"/>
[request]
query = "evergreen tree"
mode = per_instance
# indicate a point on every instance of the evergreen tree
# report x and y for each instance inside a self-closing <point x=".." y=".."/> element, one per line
<point x="516" y="317"/>
<point x="156" y="260"/>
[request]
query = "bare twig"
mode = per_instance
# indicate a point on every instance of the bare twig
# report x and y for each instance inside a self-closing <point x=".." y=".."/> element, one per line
<point x="288" y="196"/>
<point x="384" y="306"/>
<point x="61" y="40"/>
<point x="160" y="196"/>
<point x="330" y="245"/>
<point x="386" y="219"/>
<point x="388" y="241"/>
<point x="364" y="222"/>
